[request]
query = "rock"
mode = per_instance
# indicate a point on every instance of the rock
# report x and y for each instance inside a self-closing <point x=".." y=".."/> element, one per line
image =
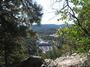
<point x="50" y="63"/>
<point x="68" y="62"/>
<point x="86" y="62"/>
<point x="33" y="61"/>
<point x="74" y="60"/>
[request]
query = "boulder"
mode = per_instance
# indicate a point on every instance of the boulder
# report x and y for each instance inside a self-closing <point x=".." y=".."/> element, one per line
<point x="33" y="61"/>
<point x="74" y="60"/>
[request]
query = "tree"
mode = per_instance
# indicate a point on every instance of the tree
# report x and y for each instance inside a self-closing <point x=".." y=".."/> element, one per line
<point x="72" y="10"/>
<point x="16" y="16"/>
<point x="77" y="36"/>
<point x="73" y="40"/>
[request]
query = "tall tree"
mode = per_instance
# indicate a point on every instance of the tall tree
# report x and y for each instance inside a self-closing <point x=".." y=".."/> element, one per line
<point x="16" y="16"/>
<point x="76" y="36"/>
<point x="72" y="10"/>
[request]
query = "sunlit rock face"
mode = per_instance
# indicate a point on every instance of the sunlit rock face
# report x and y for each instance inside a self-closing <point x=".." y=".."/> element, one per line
<point x="44" y="45"/>
<point x="69" y="61"/>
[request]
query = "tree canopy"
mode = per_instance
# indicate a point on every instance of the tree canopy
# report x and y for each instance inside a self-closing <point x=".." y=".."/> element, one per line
<point x="73" y="11"/>
<point x="16" y="17"/>
<point x="77" y="35"/>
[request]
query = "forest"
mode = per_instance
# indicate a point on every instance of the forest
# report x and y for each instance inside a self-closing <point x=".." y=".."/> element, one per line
<point x="23" y="45"/>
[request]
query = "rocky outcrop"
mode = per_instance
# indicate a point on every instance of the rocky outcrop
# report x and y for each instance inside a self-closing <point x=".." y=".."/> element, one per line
<point x="74" y="60"/>
<point x="33" y="61"/>
<point x="69" y="61"/>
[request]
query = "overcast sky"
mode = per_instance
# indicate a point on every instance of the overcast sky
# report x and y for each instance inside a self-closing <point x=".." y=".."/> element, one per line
<point x="49" y="16"/>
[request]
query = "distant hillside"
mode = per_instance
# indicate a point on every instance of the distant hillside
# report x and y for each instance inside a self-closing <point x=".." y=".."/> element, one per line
<point x="46" y="28"/>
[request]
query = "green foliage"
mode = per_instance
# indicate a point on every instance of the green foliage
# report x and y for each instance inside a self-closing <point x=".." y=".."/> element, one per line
<point x="78" y="12"/>
<point x="53" y="53"/>
<point x="14" y="27"/>
<point x="85" y="18"/>
<point x="75" y="39"/>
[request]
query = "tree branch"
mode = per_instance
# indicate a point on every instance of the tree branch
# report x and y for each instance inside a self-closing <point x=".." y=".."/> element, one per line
<point x="78" y="21"/>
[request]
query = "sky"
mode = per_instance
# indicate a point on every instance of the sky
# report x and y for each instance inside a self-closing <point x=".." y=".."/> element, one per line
<point x="49" y="16"/>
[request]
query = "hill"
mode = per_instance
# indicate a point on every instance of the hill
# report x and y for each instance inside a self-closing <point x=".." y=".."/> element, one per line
<point x="46" y="28"/>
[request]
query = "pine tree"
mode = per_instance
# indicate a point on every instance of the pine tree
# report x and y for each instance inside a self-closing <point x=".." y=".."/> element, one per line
<point x="16" y="16"/>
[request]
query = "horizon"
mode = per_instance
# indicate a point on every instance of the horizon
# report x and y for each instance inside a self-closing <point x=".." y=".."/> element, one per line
<point x="48" y="24"/>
